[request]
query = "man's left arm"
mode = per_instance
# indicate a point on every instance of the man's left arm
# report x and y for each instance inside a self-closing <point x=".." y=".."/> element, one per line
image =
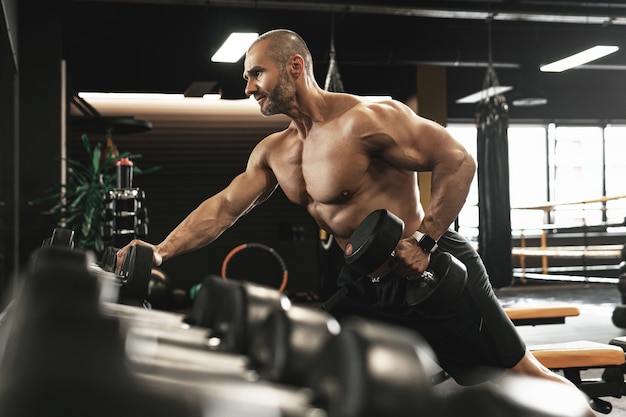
<point x="453" y="169"/>
<point x="419" y="144"/>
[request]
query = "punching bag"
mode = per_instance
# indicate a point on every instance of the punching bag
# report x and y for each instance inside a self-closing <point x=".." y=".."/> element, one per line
<point x="494" y="206"/>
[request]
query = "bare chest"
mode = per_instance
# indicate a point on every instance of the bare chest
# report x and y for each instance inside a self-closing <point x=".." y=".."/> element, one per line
<point x="323" y="170"/>
<point x="333" y="168"/>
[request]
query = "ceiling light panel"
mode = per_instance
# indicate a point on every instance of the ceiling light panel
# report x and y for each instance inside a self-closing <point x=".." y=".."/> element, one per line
<point x="482" y="94"/>
<point x="235" y="46"/>
<point x="579" y="58"/>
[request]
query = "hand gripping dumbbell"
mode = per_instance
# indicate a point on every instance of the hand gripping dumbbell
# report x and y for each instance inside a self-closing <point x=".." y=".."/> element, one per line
<point x="373" y="242"/>
<point x="134" y="274"/>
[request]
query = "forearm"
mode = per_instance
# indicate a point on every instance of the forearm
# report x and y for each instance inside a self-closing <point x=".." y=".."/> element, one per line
<point x="449" y="189"/>
<point x="201" y="227"/>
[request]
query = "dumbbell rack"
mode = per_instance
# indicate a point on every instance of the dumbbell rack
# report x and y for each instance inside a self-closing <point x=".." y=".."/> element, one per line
<point x="125" y="214"/>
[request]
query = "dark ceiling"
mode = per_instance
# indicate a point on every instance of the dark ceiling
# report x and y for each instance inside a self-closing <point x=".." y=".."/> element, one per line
<point x="165" y="46"/>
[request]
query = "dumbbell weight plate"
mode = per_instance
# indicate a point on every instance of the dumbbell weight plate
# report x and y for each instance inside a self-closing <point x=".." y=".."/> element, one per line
<point x="62" y="238"/>
<point x="233" y="310"/>
<point x="373" y="241"/>
<point x="287" y="344"/>
<point x="242" y="313"/>
<point x="373" y="369"/>
<point x="206" y="301"/>
<point x="135" y="271"/>
<point x="436" y="294"/>
<point x="109" y="259"/>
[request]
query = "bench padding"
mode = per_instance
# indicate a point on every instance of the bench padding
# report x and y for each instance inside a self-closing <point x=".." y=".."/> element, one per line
<point x="578" y="354"/>
<point x="542" y="312"/>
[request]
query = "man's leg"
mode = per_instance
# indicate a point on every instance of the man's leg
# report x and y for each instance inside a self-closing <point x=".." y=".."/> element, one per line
<point x="530" y="366"/>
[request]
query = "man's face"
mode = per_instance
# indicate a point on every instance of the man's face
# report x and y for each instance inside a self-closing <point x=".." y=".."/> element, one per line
<point x="268" y="82"/>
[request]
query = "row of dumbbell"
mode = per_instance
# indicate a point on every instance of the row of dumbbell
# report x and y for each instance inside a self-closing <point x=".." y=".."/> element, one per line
<point x="239" y="334"/>
<point x="243" y="349"/>
<point x="130" y="283"/>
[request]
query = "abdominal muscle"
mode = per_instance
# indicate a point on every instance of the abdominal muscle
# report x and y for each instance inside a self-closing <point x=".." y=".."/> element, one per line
<point x="342" y="216"/>
<point x="341" y="219"/>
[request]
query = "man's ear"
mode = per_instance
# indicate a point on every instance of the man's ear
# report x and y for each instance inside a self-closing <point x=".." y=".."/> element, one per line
<point x="296" y="65"/>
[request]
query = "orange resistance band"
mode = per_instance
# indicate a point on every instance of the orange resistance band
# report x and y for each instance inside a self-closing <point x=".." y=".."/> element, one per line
<point x="260" y="246"/>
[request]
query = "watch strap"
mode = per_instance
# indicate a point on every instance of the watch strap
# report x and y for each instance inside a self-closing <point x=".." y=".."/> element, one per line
<point x="427" y="243"/>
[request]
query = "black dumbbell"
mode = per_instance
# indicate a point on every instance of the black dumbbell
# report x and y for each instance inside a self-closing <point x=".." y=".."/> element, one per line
<point x="373" y="242"/>
<point x="233" y="310"/>
<point x="135" y="273"/>
<point x="133" y="278"/>
<point x="63" y="238"/>
<point x="373" y="369"/>
<point x="162" y="295"/>
<point x="286" y="346"/>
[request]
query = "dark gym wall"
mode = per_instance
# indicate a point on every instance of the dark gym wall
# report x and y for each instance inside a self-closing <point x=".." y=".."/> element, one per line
<point x="8" y="139"/>
<point x="40" y="112"/>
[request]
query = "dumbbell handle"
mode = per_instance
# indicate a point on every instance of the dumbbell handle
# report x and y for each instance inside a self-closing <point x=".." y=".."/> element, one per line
<point x="428" y="278"/>
<point x="440" y="285"/>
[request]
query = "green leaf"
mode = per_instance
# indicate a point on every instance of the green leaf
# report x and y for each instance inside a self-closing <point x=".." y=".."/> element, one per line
<point x="139" y="171"/>
<point x="87" y="221"/>
<point x="95" y="159"/>
<point x="85" y="140"/>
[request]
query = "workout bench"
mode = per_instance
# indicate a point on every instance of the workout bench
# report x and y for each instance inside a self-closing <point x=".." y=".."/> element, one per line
<point x="574" y="357"/>
<point x="531" y="316"/>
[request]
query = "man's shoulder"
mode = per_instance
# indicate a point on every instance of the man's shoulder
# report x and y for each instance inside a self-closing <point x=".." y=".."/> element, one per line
<point x="271" y="141"/>
<point x="372" y="105"/>
<point x="366" y="114"/>
<point x="281" y="134"/>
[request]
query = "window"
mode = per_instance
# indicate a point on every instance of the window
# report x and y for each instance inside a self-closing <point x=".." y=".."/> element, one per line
<point x="468" y="217"/>
<point x="578" y="167"/>
<point x="615" y="168"/>
<point x="528" y="174"/>
<point x="550" y="163"/>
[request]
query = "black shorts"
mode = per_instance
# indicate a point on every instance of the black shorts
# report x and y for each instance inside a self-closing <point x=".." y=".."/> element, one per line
<point x="472" y="340"/>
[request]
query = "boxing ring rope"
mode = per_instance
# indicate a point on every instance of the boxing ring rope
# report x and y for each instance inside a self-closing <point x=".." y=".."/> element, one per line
<point x="585" y="251"/>
<point x="272" y="251"/>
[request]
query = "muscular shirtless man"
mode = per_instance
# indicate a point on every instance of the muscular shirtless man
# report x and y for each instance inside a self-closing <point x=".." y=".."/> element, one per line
<point x="343" y="157"/>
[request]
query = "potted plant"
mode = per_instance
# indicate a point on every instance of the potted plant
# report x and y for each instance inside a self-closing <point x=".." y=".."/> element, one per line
<point x="79" y="203"/>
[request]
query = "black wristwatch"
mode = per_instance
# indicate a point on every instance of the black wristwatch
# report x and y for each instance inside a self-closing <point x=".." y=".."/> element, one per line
<point x="427" y="243"/>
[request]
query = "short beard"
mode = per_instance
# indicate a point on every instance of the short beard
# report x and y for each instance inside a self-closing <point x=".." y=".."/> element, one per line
<point x="280" y="99"/>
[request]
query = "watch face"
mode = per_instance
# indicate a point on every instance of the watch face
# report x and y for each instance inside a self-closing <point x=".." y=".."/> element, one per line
<point x="427" y="243"/>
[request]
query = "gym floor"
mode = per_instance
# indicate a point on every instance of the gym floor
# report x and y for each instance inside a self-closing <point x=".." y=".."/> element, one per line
<point x="595" y="302"/>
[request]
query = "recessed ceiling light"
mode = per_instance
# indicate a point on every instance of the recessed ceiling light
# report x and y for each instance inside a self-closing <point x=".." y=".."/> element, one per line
<point x="487" y="92"/>
<point x="530" y="101"/>
<point x="579" y="58"/>
<point x="235" y="46"/>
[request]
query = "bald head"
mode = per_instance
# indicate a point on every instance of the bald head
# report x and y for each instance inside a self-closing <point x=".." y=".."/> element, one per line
<point x="282" y="44"/>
